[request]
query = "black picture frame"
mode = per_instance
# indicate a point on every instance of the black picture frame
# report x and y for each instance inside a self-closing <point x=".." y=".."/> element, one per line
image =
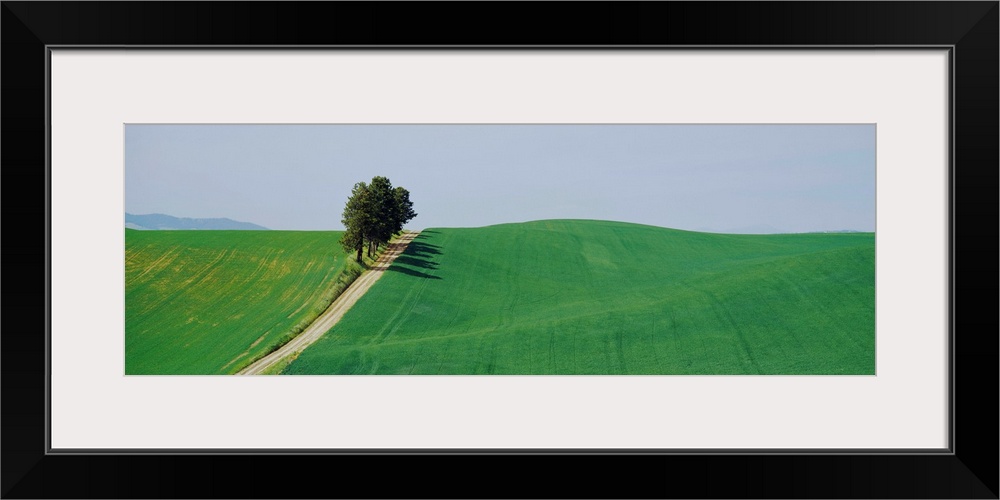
<point x="970" y="470"/>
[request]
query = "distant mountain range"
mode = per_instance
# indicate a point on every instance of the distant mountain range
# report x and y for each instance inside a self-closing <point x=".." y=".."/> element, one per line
<point x="166" y="222"/>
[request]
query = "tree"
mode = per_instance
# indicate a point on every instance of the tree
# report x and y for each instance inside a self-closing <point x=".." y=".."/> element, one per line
<point x="373" y="214"/>
<point x="383" y="209"/>
<point x="404" y="209"/>
<point x="357" y="219"/>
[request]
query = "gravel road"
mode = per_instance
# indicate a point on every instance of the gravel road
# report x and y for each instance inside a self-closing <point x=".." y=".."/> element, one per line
<point x="336" y="310"/>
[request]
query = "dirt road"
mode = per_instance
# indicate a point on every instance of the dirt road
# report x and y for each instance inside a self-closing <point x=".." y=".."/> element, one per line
<point x="336" y="310"/>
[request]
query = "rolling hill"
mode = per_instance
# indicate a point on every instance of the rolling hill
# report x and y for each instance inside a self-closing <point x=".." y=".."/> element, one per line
<point x="599" y="297"/>
<point x="210" y="302"/>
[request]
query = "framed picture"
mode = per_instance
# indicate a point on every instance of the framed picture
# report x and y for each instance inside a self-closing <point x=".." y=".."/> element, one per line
<point x="918" y="79"/>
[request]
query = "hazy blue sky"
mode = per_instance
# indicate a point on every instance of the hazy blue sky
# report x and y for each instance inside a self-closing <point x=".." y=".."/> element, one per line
<point x="725" y="178"/>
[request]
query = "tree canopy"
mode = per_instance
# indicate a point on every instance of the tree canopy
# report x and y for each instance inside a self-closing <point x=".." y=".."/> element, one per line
<point x="373" y="214"/>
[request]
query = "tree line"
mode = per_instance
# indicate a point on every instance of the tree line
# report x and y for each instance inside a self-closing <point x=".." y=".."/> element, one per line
<point x="373" y="214"/>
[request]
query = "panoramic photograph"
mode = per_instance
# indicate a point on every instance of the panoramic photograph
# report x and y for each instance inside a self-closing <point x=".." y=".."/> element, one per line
<point x="479" y="249"/>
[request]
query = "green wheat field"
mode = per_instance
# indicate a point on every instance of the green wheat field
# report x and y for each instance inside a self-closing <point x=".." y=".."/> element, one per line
<point x="210" y="302"/>
<point x="604" y="298"/>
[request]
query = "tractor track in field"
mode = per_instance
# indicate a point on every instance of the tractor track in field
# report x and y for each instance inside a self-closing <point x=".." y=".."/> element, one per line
<point x="337" y="308"/>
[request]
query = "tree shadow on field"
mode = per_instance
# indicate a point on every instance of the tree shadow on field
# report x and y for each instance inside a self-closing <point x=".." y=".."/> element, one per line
<point x="416" y="262"/>
<point x="419" y="248"/>
<point x="413" y="272"/>
<point x="417" y="254"/>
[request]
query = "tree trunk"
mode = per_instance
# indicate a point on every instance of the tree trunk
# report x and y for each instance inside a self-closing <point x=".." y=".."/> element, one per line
<point x="359" y="253"/>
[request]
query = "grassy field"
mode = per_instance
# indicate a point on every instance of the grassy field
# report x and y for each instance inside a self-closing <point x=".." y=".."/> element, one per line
<point x="594" y="297"/>
<point x="210" y="302"/>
